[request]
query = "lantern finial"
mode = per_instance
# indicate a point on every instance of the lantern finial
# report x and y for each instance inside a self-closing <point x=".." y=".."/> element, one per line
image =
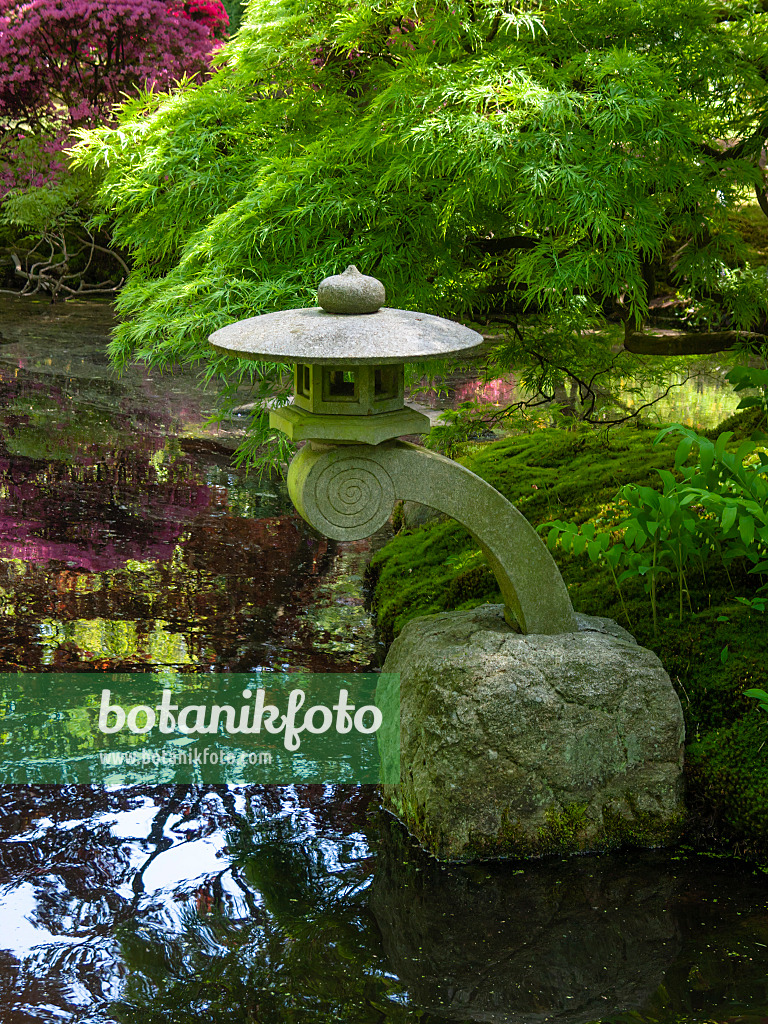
<point x="351" y="292"/>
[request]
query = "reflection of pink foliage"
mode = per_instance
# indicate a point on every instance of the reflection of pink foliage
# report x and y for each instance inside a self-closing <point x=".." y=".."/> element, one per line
<point x="66" y="63"/>
<point x="502" y="391"/>
<point x="85" y="527"/>
<point x="109" y="556"/>
<point x="495" y="392"/>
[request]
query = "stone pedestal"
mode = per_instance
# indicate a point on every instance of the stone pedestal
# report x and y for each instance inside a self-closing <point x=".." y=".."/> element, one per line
<point x="522" y="745"/>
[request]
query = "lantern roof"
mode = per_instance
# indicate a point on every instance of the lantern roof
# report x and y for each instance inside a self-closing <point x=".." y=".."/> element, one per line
<point x="363" y="334"/>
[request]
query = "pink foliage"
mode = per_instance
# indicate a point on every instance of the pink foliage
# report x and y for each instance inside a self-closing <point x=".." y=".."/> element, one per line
<point x="66" y="63"/>
<point x="210" y="13"/>
<point x="398" y="33"/>
<point x="31" y="159"/>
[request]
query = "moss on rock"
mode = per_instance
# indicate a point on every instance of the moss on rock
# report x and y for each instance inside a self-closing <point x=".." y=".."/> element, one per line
<point x="711" y="657"/>
<point x="567" y="831"/>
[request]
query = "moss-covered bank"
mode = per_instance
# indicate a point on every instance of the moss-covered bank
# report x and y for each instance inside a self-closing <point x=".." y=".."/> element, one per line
<point x="712" y="656"/>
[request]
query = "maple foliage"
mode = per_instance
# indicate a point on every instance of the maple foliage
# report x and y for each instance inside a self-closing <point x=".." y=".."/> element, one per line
<point x="547" y="164"/>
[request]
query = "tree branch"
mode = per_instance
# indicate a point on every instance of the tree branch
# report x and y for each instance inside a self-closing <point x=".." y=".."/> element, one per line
<point x="494" y="29"/>
<point x="499" y="245"/>
<point x="735" y="152"/>
<point x="687" y="343"/>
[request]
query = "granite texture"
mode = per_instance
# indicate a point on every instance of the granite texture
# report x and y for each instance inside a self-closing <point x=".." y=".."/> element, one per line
<point x="348" y="492"/>
<point x="524" y="745"/>
<point x="299" y="425"/>
<point x="351" y="292"/>
<point x="311" y="335"/>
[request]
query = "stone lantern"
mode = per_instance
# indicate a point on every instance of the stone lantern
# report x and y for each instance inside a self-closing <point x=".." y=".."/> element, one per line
<point x="349" y="355"/>
<point x="510" y="744"/>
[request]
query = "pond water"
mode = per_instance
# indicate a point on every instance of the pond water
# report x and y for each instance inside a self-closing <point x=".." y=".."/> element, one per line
<point x="700" y="397"/>
<point x="127" y="543"/>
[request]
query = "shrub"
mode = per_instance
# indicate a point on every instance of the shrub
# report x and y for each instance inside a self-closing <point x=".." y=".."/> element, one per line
<point x="66" y="63"/>
<point x="716" y="508"/>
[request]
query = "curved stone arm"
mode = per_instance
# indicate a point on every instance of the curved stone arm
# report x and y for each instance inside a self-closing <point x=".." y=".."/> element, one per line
<point x="347" y="492"/>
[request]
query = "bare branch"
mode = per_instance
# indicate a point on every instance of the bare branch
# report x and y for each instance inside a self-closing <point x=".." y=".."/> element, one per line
<point x="109" y="252"/>
<point x="494" y="28"/>
<point x="52" y="273"/>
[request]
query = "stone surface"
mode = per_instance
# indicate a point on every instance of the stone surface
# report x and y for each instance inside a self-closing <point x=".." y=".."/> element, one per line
<point x="351" y="292"/>
<point x="518" y="744"/>
<point x="415" y="514"/>
<point x="311" y="335"/>
<point x="348" y="492"/>
<point x="300" y="425"/>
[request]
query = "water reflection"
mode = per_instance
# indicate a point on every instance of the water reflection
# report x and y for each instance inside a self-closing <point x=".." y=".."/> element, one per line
<point x="307" y="904"/>
<point x="578" y="941"/>
<point x="633" y="937"/>
<point x="127" y="542"/>
<point x="124" y="546"/>
<point x="701" y="402"/>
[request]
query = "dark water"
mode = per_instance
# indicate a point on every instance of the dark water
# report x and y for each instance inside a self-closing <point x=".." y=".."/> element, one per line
<point x="128" y="541"/>
<point x="126" y="538"/>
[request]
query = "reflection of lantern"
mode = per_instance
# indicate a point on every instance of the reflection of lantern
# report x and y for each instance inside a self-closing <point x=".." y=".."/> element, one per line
<point x="349" y="354"/>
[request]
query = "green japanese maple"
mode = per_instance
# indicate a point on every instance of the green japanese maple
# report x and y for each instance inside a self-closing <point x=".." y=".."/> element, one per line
<point x="541" y="159"/>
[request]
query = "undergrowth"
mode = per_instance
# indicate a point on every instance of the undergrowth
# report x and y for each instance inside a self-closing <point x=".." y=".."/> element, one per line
<point x="712" y="655"/>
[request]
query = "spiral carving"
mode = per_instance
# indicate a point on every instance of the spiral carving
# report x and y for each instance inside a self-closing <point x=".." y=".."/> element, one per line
<point x="348" y="492"/>
<point x="347" y="496"/>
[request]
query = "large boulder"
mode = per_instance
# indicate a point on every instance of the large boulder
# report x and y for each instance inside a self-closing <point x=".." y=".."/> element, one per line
<point x="518" y="744"/>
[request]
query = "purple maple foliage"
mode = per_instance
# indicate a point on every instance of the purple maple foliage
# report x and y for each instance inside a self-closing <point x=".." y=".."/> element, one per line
<point x="65" y="64"/>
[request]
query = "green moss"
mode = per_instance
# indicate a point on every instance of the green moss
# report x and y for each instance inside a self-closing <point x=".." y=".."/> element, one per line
<point x="742" y="424"/>
<point x="548" y="474"/>
<point x="568" y="830"/>
<point x="414" y="817"/>
<point x="728" y="772"/>
<point x="511" y="841"/>
<point x="565" y="830"/>
<point x="574" y="476"/>
<point x="751" y="224"/>
<point x="398" y="517"/>
<point x="644" y="830"/>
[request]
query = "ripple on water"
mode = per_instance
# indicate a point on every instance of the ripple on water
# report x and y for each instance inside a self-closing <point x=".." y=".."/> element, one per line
<point x="128" y="541"/>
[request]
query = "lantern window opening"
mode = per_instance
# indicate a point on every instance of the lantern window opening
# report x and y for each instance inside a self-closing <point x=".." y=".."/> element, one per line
<point x="385" y="383"/>
<point x="303" y="380"/>
<point x="339" y="385"/>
